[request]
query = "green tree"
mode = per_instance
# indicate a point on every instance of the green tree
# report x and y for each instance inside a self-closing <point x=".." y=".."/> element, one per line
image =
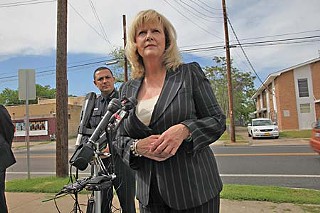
<point x="118" y="54"/>
<point x="11" y="97"/>
<point x="45" y="91"/>
<point x="242" y="88"/>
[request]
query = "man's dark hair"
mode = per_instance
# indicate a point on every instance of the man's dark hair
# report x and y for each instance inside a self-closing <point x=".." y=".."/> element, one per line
<point x="101" y="68"/>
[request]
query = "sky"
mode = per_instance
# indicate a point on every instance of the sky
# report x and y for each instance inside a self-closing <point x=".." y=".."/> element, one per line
<point x="274" y="35"/>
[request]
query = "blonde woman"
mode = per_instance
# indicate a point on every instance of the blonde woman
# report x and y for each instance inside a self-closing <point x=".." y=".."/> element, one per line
<point x="166" y="137"/>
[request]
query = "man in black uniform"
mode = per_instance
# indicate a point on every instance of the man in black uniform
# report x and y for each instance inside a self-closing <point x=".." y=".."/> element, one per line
<point x="124" y="183"/>
<point x="6" y="156"/>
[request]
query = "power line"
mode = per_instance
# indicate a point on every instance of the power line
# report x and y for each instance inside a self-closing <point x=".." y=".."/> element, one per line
<point x="241" y="60"/>
<point x="88" y="23"/>
<point x="52" y="71"/>
<point x="202" y="49"/>
<point x="191" y="20"/>
<point x="99" y="22"/>
<point x="208" y="45"/>
<point x="283" y="41"/>
<point x="298" y="40"/>
<point x="197" y="11"/>
<point x="24" y="3"/>
<point x="206" y="7"/>
<point x="284" y="34"/>
<point x="246" y="56"/>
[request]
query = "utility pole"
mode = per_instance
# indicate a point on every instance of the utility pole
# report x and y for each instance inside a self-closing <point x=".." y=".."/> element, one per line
<point x="229" y="77"/>
<point x="61" y="91"/>
<point x="124" y="46"/>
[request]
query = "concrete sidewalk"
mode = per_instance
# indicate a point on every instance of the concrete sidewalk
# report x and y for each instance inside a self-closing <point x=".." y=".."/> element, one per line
<point x="34" y="203"/>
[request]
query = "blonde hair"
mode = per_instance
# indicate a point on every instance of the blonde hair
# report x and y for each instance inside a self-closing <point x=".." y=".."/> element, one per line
<point x="171" y="59"/>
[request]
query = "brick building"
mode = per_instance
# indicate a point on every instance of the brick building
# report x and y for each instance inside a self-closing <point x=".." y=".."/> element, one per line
<point x="42" y="119"/>
<point x="291" y="97"/>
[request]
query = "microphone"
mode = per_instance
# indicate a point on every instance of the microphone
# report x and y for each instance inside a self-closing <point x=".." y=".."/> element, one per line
<point x="129" y="103"/>
<point x="123" y="112"/>
<point x="85" y="115"/>
<point x="115" y="121"/>
<point x="113" y="106"/>
<point x="84" y="153"/>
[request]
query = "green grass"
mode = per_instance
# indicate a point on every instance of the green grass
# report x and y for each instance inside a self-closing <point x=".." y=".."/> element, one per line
<point x="230" y="191"/>
<point x="23" y="145"/>
<point x="271" y="194"/>
<point x="226" y="137"/>
<point x="284" y="134"/>
<point x="41" y="184"/>
<point x="296" y="134"/>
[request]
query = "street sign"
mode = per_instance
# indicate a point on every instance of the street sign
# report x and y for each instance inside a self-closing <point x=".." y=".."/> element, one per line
<point x="27" y="86"/>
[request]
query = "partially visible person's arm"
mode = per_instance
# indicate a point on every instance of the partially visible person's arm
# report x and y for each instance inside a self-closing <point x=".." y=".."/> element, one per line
<point x="6" y="125"/>
<point x="211" y="120"/>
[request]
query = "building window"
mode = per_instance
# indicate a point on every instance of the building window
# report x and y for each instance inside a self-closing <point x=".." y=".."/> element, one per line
<point x="286" y="113"/>
<point x="303" y="87"/>
<point x="304" y="108"/>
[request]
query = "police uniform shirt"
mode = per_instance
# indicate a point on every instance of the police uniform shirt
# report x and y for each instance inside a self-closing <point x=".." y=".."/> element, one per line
<point x="101" y="107"/>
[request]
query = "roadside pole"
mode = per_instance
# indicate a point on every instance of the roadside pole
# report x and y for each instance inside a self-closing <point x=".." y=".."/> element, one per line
<point x="229" y="77"/>
<point x="27" y="91"/>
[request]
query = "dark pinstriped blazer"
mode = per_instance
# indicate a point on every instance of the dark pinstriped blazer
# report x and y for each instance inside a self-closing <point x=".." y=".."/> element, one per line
<point x="190" y="177"/>
<point x="6" y="135"/>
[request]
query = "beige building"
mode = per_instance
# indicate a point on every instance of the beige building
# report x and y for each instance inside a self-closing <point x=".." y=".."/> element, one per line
<point x="42" y="118"/>
<point x="291" y="97"/>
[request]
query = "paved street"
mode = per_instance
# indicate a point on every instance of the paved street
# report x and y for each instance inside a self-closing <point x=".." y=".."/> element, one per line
<point x="33" y="202"/>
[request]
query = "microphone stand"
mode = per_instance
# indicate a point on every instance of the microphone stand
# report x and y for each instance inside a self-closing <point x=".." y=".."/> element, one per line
<point x="76" y="203"/>
<point x="114" y="118"/>
<point x="100" y="169"/>
<point x="110" y="136"/>
<point x="97" y="194"/>
<point x="75" y="207"/>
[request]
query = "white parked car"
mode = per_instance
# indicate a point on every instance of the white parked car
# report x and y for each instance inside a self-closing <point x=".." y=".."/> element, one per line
<point x="262" y="128"/>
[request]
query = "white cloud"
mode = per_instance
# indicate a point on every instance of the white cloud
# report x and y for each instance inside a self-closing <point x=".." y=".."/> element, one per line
<point x="27" y="29"/>
<point x="267" y="18"/>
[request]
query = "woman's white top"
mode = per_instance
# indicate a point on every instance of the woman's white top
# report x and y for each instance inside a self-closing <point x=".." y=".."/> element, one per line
<point x="145" y="108"/>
